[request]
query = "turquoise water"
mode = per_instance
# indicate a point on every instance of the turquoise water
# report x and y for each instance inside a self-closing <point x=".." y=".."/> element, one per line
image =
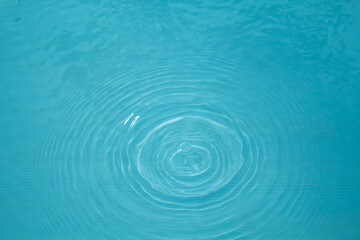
<point x="179" y="119"/>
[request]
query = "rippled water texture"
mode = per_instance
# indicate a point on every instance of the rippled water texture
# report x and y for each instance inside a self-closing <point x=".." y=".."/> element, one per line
<point x="179" y="120"/>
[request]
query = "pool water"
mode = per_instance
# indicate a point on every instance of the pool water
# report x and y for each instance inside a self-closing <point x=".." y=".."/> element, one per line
<point x="179" y="119"/>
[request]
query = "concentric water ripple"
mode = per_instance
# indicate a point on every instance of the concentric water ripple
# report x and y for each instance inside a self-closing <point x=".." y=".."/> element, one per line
<point x="165" y="149"/>
<point x="179" y="120"/>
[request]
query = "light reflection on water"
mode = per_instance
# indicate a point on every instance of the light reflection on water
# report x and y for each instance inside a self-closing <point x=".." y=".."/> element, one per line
<point x="179" y="120"/>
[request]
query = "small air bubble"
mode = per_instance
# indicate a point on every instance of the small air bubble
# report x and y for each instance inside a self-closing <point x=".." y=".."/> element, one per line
<point x="185" y="146"/>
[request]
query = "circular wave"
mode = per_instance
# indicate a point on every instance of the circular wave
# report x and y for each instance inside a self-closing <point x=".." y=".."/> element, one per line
<point x="177" y="149"/>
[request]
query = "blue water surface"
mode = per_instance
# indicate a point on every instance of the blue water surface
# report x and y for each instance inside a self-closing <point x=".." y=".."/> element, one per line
<point x="179" y="120"/>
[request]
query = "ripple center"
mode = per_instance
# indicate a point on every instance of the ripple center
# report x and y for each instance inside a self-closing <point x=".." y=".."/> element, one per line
<point x="185" y="146"/>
